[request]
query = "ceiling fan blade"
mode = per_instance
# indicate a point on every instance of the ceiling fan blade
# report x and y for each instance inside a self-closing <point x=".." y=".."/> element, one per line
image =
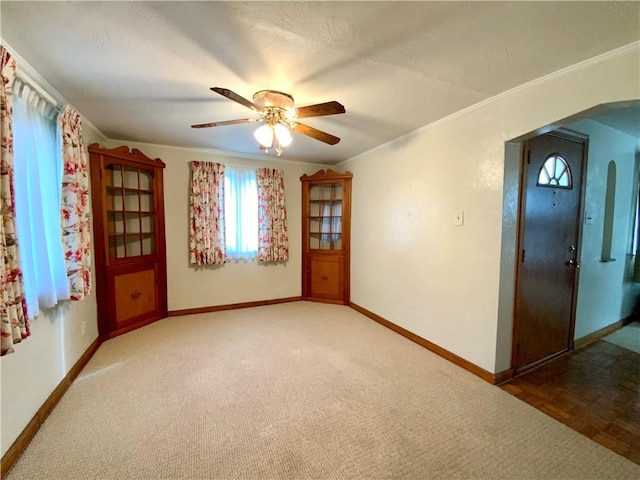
<point x="315" y="133"/>
<point x="226" y="122"/>
<point x="320" y="109"/>
<point x="225" y="92"/>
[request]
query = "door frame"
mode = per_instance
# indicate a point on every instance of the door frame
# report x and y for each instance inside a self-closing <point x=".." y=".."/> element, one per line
<point x="572" y="136"/>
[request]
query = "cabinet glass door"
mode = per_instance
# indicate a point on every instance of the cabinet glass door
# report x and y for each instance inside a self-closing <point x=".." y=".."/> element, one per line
<point x="325" y="216"/>
<point x="129" y="201"/>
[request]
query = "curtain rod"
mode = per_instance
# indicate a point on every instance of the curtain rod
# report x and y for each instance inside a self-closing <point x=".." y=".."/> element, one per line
<point x="25" y="78"/>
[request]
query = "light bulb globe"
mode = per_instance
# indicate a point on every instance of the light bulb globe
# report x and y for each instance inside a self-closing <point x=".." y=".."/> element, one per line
<point x="264" y="135"/>
<point x="283" y="135"/>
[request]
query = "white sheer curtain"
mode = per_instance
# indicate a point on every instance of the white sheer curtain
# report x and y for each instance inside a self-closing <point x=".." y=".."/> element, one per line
<point x="38" y="183"/>
<point x="241" y="212"/>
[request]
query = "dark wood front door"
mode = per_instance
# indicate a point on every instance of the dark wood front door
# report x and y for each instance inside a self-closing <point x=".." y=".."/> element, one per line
<point x="548" y="254"/>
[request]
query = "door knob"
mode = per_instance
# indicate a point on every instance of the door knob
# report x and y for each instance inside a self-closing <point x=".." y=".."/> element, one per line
<point x="572" y="263"/>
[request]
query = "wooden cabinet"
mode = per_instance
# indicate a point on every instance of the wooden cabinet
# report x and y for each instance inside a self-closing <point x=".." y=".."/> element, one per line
<point x="326" y="234"/>
<point x="130" y="252"/>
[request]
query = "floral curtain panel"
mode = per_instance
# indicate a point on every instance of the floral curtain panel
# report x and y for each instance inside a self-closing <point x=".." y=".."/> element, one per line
<point x="13" y="311"/>
<point x="273" y="240"/>
<point x="206" y="214"/>
<point x="76" y="223"/>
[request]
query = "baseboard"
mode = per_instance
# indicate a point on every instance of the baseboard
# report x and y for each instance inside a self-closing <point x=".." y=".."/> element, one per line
<point x="452" y="357"/>
<point x="517" y="372"/>
<point x="130" y="328"/>
<point x="231" y="306"/>
<point x="502" y="377"/>
<point x="324" y="300"/>
<point x="592" y="337"/>
<point x="11" y="456"/>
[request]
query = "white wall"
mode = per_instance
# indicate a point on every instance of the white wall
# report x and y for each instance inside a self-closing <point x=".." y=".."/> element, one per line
<point x="410" y="264"/>
<point x="236" y="281"/>
<point x="605" y="296"/>
<point x="59" y="337"/>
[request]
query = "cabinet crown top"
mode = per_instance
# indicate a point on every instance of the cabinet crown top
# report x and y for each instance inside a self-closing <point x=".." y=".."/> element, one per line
<point x="328" y="173"/>
<point x="125" y="153"/>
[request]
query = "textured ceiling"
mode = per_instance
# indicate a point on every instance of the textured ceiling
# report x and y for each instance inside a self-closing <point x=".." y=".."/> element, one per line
<point x="141" y="71"/>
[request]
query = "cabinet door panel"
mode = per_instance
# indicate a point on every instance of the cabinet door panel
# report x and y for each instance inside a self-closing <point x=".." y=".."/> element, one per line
<point x="134" y="295"/>
<point x="326" y="277"/>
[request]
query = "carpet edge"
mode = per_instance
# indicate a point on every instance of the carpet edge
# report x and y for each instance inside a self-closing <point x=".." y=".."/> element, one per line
<point x="231" y="306"/>
<point x="16" y="449"/>
<point x="493" y="378"/>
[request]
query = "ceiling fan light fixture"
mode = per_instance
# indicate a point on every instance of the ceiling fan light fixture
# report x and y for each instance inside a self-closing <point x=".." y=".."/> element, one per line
<point x="265" y="135"/>
<point x="273" y="98"/>
<point x="279" y="118"/>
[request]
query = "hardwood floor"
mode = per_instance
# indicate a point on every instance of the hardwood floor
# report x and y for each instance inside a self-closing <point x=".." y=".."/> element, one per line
<point x="594" y="390"/>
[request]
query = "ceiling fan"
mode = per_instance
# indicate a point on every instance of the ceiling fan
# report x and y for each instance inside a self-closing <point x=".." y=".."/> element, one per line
<point x="280" y="117"/>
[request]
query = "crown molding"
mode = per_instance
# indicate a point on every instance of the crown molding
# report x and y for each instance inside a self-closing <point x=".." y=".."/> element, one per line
<point x="31" y="76"/>
<point x="618" y="52"/>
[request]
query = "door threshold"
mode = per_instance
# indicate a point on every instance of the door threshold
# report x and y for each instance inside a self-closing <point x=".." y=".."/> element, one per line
<point x="532" y="366"/>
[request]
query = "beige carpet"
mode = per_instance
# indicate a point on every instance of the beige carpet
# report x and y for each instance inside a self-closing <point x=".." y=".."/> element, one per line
<point x="298" y="390"/>
<point x="626" y="337"/>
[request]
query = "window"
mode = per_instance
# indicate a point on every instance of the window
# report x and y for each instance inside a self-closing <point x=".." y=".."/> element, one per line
<point x="241" y="212"/>
<point x="38" y="184"/>
<point x="236" y="213"/>
<point x="555" y="173"/>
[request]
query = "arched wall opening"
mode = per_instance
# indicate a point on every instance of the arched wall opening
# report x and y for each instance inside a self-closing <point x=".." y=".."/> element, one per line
<point x="607" y="291"/>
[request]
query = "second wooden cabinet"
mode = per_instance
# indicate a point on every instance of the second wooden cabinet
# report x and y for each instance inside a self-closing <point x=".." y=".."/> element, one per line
<point x="130" y="252"/>
<point x="326" y="235"/>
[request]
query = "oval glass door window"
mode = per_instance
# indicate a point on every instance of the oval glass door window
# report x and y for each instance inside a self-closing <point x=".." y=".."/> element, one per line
<point x="555" y="173"/>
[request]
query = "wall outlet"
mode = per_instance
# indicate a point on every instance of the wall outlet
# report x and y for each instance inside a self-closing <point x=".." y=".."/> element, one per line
<point x="84" y="328"/>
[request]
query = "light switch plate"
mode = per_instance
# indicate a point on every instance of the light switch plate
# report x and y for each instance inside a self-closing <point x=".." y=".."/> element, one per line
<point x="458" y="218"/>
<point x="588" y="218"/>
